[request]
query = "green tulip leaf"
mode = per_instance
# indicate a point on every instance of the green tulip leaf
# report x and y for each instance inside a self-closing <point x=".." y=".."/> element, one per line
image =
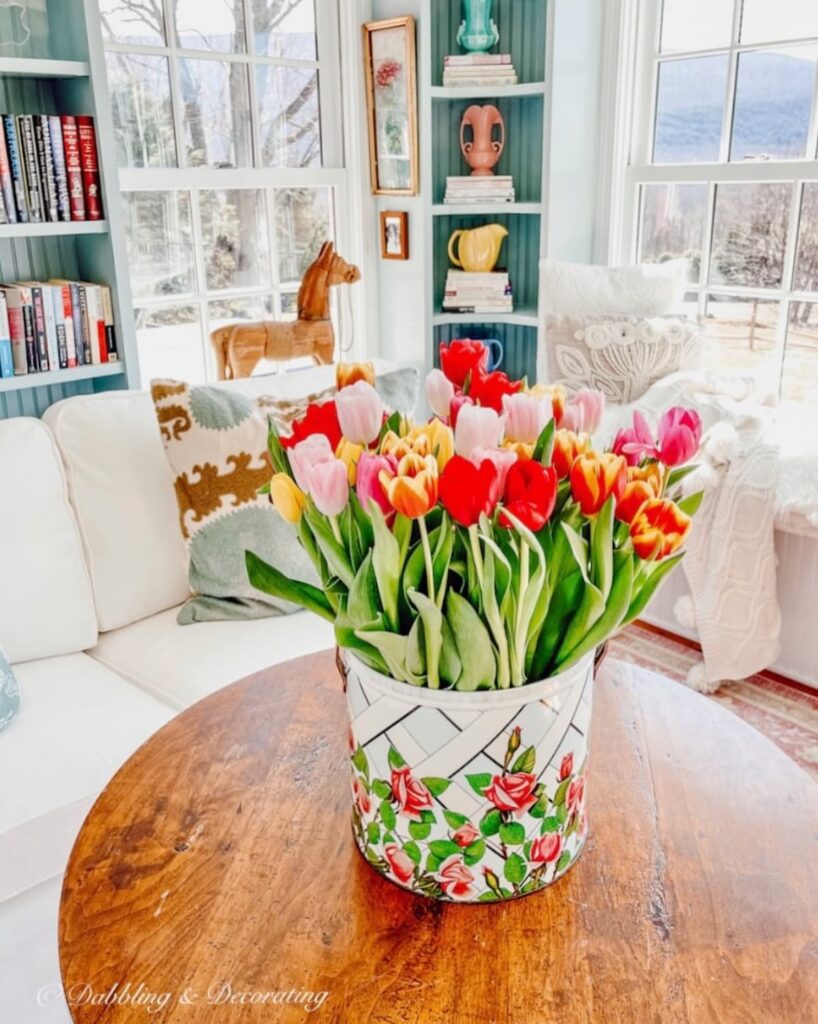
<point x="362" y="603"/>
<point x="451" y="667"/>
<point x="432" y="619"/>
<point x="393" y="649"/>
<point x="647" y="589"/>
<point x="474" y="649"/>
<point x="602" y="548"/>
<point x="690" y="504"/>
<point x="269" y="580"/>
<point x="278" y="456"/>
<point x="544" y="448"/>
<point x="386" y="561"/>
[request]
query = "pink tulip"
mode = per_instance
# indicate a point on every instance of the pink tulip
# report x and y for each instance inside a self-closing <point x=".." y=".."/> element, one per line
<point x="501" y="458"/>
<point x="368" y="485"/>
<point x="329" y="486"/>
<point x="308" y="453"/>
<point x="630" y="442"/>
<point x="680" y="434"/>
<point x="455" y="405"/>
<point x="360" y="412"/>
<point x="477" y="427"/>
<point x="525" y="416"/>
<point x="439" y="393"/>
<point x="584" y="412"/>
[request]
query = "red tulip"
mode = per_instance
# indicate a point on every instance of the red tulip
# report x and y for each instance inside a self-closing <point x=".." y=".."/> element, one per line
<point x="468" y="491"/>
<point x="488" y="388"/>
<point x="462" y="357"/>
<point x="659" y="528"/>
<point x="318" y="419"/>
<point x="530" y="494"/>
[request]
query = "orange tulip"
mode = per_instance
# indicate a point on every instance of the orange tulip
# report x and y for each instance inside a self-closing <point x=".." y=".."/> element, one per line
<point x="567" y="445"/>
<point x="349" y="373"/>
<point x="556" y="392"/>
<point x="521" y="449"/>
<point x="594" y="478"/>
<point x="659" y="528"/>
<point x="413" y="489"/>
<point x="643" y="484"/>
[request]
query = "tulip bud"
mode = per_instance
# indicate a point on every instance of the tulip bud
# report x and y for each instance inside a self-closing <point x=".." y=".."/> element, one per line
<point x="348" y="373"/>
<point x="289" y="500"/>
<point x="525" y="416"/>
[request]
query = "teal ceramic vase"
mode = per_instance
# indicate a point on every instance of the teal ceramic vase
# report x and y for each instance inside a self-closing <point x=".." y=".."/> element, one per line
<point x="478" y="31"/>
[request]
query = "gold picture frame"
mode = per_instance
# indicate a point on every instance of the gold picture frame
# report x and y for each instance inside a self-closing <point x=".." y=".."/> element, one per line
<point x="392" y="105"/>
<point x="394" y="235"/>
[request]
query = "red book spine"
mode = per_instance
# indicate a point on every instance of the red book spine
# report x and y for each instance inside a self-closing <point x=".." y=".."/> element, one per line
<point x="90" y="168"/>
<point x="73" y="167"/>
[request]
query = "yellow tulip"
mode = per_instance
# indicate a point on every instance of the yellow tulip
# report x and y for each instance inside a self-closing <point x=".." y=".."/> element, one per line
<point x="349" y="454"/>
<point x="522" y="449"/>
<point x="288" y="498"/>
<point x="432" y="438"/>
<point x="413" y="490"/>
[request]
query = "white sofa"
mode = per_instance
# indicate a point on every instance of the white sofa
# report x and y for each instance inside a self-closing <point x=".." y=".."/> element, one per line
<point x="92" y="574"/>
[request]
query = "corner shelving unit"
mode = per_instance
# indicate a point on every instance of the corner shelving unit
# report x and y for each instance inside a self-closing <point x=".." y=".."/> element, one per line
<point x="62" y="71"/>
<point x="524" y="27"/>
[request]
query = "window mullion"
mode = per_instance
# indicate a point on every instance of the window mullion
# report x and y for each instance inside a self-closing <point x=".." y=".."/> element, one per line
<point x="732" y="75"/>
<point x="249" y="42"/>
<point x="787" y="277"/>
<point x="707" y="245"/>
<point x="201" y="276"/>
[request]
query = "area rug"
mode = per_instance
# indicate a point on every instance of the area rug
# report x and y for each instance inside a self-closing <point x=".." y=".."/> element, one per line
<point x="786" y="713"/>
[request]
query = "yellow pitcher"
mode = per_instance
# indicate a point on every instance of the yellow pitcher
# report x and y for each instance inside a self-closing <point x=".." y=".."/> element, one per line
<point x="478" y="249"/>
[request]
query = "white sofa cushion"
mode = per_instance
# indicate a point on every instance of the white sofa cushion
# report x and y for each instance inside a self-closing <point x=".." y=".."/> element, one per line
<point x="78" y="724"/>
<point x="182" y="664"/>
<point x="122" y="490"/>
<point x="46" y="603"/>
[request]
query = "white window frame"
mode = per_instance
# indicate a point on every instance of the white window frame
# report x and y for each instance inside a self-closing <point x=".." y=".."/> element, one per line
<point x="633" y="116"/>
<point x="332" y="174"/>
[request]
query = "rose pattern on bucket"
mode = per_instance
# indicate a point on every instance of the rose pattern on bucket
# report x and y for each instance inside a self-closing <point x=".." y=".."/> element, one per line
<point x="490" y="548"/>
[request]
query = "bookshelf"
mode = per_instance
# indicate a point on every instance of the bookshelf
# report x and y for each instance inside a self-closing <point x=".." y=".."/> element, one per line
<point x="60" y="69"/>
<point x="525" y="33"/>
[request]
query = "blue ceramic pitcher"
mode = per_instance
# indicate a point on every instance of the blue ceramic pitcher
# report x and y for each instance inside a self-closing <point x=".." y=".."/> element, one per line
<point x="477" y="31"/>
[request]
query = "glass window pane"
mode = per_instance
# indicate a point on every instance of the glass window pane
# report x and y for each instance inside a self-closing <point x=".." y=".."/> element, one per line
<point x="237" y="309"/>
<point x="234" y="232"/>
<point x="289" y="305"/>
<point x="750" y="234"/>
<point x="696" y="25"/>
<point x="740" y="334"/>
<point x="142" y="113"/>
<point x="210" y="26"/>
<point x="765" y="21"/>
<point x="169" y="341"/>
<point x="124" y="21"/>
<point x="673" y="219"/>
<point x="806" y="259"/>
<point x="800" y="380"/>
<point x="216" y="111"/>
<point x="774" y="92"/>
<point x="160" y="243"/>
<point x="285" y="30"/>
<point x="302" y="226"/>
<point x="289" y="126"/>
<point x="689" y="109"/>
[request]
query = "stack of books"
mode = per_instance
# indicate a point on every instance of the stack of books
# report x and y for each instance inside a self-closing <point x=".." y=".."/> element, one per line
<point x="478" y="69"/>
<point x="49" y="170"/>
<point x="479" y="188"/>
<point x="478" y="292"/>
<point x="55" y="325"/>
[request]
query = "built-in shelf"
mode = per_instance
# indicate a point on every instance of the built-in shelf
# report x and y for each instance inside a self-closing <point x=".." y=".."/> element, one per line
<point x="470" y="209"/>
<point x="35" y="67"/>
<point x="524" y="316"/>
<point x="487" y="92"/>
<point x="26" y="381"/>
<point x="50" y="230"/>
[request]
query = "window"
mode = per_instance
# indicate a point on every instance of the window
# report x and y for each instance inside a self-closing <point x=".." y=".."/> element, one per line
<point x="227" y="123"/>
<point x="724" y="171"/>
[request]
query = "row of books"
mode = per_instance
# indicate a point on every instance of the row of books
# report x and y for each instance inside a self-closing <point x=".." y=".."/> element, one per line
<point x="467" y="292"/>
<point x="55" y="325"/>
<point x="49" y="170"/>
<point x="479" y="188"/>
<point x="476" y="69"/>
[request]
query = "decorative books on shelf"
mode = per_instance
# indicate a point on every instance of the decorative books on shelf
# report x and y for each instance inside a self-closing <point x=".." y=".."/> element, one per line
<point x="478" y="69"/>
<point x="55" y="325"/>
<point x="49" y="170"/>
<point x="467" y="188"/>
<point x="480" y="292"/>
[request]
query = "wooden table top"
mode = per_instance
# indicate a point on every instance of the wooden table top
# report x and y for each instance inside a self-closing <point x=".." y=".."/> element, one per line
<point x="219" y="863"/>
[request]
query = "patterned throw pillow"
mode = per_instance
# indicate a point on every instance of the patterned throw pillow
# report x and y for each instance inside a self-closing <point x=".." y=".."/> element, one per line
<point x="9" y="692"/>
<point x="216" y="442"/>
<point x="621" y="355"/>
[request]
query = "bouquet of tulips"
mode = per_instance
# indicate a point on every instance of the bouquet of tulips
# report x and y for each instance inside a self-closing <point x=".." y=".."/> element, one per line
<point x="490" y="546"/>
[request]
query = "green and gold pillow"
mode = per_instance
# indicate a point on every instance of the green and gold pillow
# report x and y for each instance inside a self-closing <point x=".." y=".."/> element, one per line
<point x="216" y="442"/>
<point x="9" y="692"/>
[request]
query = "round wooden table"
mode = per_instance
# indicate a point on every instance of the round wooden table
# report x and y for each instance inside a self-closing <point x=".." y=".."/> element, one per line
<point x="216" y="879"/>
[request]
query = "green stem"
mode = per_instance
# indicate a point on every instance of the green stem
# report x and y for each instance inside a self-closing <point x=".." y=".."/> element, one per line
<point x="336" y="530"/>
<point x="476" y="552"/>
<point x="519" y="633"/>
<point x="427" y="558"/>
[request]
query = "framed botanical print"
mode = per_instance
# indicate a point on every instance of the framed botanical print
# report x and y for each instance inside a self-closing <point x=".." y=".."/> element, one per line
<point x="391" y="95"/>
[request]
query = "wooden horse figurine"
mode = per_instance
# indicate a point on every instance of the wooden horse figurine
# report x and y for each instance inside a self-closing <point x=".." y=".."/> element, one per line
<point x="240" y="347"/>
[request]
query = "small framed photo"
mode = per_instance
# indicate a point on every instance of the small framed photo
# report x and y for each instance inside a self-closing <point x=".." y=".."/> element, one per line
<point x="391" y="100"/>
<point x="394" y="235"/>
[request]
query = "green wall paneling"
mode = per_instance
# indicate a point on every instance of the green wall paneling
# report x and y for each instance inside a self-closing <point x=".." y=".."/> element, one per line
<point x="519" y="344"/>
<point x="34" y="401"/>
<point x="521" y="24"/>
<point x="521" y="157"/>
<point x="520" y="253"/>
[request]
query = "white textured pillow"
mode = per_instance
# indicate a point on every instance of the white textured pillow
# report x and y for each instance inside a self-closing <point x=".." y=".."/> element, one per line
<point x="577" y="289"/>
<point x="622" y="356"/>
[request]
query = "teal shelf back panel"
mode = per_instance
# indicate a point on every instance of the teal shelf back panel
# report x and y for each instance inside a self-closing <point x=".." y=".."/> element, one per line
<point x="520" y="253"/>
<point x="521" y="24"/>
<point x="34" y="401"/>
<point x="522" y="154"/>
<point x="519" y="345"/>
